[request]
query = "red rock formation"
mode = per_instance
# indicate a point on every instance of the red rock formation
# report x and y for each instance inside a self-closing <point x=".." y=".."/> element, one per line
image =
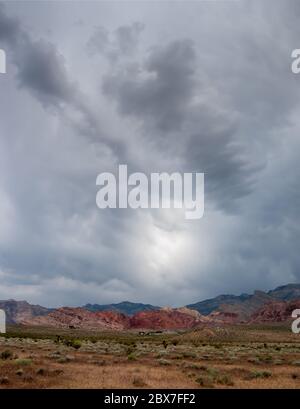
<point x="81" y="318"/>
<point x="163" y="319"/>
<point x="278" y="311"/>
<point x="224" y="317"/>
<point x="167" y="318"/>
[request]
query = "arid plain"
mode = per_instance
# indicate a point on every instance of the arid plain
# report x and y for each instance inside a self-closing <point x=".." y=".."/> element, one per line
<point x="241" y="356"/>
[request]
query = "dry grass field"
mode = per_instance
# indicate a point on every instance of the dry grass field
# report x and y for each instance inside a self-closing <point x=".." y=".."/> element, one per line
<point x="235" y="357"/>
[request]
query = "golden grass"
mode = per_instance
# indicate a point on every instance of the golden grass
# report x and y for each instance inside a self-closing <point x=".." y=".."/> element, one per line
<point x="269" y="359"/>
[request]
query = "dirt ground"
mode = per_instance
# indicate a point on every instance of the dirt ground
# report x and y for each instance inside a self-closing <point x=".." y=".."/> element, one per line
<point x="217" y="358"/>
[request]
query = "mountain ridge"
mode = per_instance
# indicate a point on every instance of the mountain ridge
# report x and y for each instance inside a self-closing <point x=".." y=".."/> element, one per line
<point x="288" y="292"/>
<point x="124" y="307"/>
<point x="224" y="308"/>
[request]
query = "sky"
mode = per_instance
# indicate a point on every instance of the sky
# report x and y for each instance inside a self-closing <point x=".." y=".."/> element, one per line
<point x="162" y="86"/>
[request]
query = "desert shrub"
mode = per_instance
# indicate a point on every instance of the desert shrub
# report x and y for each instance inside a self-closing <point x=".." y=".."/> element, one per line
<point x="129" y="350"/>
<point x="54" y="355"/>
<point x="63" y="360"/>
<point x="174" y="356"/>
<point x="278" y="362"/>
<point x="260" y="374"/>
<point x="225" y="380"/>
<point x="23" y="362"/>
<point x="98" y="362"/>
<point x="6" y="354"/>
<point x="131" y="357"/>
<point x="138" y="382"/>
<point x="165" y="344"/>
<point x="4" y="380"/>
<point x="76" y="344"/>
<point x="41" y="371"/>
<point x="294" y="376"/>
<point x="57" y="372"/>
<point x="212" y="372"/>
<point x="164" y="362"/>
<point x="191" y="365"/>
<point x="253" y="360"/>
<point x="205" y="381"/>
<point x="162" y="354"/>
<point x="19" y="372"/>
<point x="189" y="354"/>
<point x="268" y="359"/>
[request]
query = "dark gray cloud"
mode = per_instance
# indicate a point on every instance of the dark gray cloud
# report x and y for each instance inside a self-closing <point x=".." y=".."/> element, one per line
<point x="127" y="37"/>
<point x="40" y="68"/>
<point x="167" y="96"/>
<point x="161" y="90"/>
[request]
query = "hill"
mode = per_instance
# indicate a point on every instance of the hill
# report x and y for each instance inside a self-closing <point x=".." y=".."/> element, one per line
<point x="125" y="307"/>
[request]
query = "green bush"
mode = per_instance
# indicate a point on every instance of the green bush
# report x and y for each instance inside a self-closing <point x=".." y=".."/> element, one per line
<point x="260" y="374"/>
<point x="23" y="362"/>
<point x="131" y="357"/>
<point x="74" y="343"/>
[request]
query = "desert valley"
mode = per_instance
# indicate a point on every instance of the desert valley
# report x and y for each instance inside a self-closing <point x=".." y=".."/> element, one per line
<point x="229" y="341"/>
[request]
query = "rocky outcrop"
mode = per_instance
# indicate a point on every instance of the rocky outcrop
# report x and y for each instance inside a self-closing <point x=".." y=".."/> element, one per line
<point x="279" y="311"/>
<point x="167" y="318"/>
<point x="19" y="311"/>
<point x="79" y="318"/>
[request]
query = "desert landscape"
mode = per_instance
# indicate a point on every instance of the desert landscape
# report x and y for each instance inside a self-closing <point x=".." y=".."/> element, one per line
<point x="231" y="357"/>
<point x="236" y="342"/>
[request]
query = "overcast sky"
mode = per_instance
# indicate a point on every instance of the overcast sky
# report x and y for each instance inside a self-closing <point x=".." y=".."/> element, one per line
<point x="202" y="86"/>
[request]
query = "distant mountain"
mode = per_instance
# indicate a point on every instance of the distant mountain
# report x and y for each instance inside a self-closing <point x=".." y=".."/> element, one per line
<point x="246" y="304"/>
<point x="207" y="306"/>
<point x="125" y="307"/>
<point x="276" y="311"/>
<point x="18" y="311"/>
<point x="274" y="305"/>
<point x="287" y="292"/>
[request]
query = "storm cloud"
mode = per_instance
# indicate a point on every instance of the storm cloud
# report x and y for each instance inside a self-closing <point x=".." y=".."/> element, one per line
<point x="182" y="87"/>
